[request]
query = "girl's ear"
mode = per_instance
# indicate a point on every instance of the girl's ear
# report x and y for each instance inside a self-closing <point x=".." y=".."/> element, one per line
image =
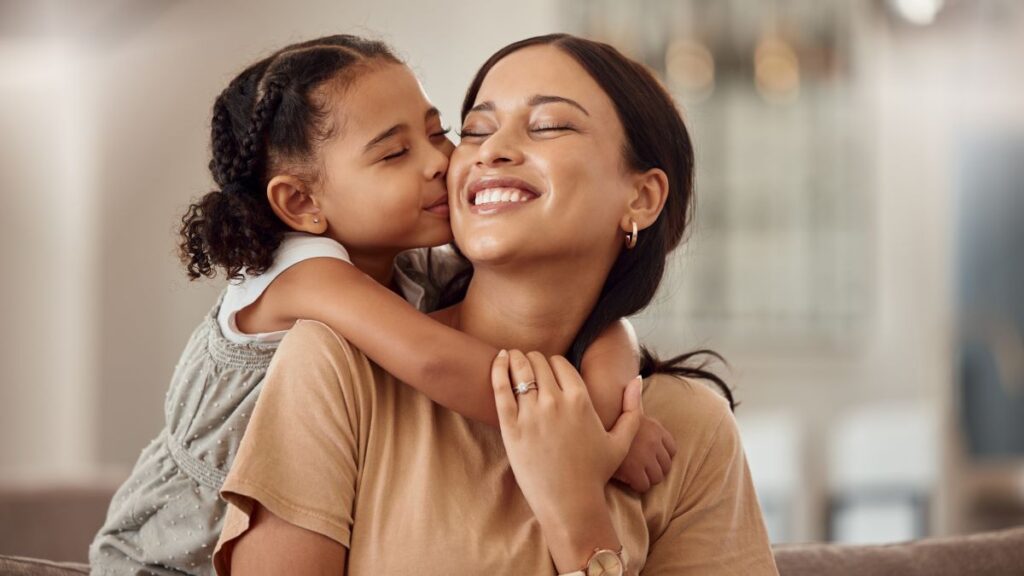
<point x="650" y="190"/>
<point x="291" y="200"/>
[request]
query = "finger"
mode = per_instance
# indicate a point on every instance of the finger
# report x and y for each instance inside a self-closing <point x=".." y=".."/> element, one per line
<point x="568" y="378"/>
<point x="654" y="473"/>
<point x="624" y="430"/>
<point x="664" y="460"/>
<point x="670" y="443"/>
<point x="641" y="483"/>
<point x="521" y="371"/>
<point x="547" y="386"/>
<point x="504" y="399"/>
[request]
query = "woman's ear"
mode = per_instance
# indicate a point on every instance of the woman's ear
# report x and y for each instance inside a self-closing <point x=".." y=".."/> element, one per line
<point x="650" y="190"/>
<point x="291" y="200"/>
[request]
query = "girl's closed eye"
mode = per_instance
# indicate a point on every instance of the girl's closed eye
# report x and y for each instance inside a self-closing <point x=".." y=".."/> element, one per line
<point x="395" y="155"/>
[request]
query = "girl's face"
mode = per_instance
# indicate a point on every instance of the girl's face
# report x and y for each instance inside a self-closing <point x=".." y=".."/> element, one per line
<point x="383" y="169"/>
<point x="539" y="173"/>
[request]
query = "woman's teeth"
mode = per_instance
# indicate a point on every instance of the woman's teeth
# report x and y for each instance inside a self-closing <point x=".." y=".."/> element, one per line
<point x="495" y="195"/>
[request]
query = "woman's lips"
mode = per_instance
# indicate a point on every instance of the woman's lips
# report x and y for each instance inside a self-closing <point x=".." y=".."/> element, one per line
<point x="502" y="195"/>
<point x="492" y="195"/>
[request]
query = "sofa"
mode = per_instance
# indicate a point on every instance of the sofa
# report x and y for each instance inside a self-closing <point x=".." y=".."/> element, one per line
<point x="29" y="515"/>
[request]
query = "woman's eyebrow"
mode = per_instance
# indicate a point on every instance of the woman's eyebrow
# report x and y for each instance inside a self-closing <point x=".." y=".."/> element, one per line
<point x="540" y="99"/>
<point x="536" y="100"/>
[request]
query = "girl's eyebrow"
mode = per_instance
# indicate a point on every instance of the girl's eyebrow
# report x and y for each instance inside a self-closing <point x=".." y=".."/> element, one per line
<point x="536" y="100"/>
<point x="431" y="113"/>
<point x="384" y="136"/>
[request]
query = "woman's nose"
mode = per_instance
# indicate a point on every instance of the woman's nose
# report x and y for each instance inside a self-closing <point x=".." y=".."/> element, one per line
<point x="499" y="148"/>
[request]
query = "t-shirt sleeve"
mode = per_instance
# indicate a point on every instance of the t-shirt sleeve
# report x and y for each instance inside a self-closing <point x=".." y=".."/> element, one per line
<point x="300" y="452"/>
<point x="716" y="525"/>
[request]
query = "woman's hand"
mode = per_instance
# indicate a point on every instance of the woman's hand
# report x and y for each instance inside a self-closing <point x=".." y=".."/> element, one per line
<point x="560" y="453"/>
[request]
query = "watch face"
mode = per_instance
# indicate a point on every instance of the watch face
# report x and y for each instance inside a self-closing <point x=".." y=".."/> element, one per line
<point x="605" y="563"/>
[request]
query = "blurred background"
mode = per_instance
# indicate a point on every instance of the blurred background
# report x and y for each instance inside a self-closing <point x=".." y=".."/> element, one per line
<point x="856" y="254"/>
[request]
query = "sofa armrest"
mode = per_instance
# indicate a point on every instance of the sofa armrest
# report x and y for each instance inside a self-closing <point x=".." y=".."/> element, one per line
<point x="987" y="554"/>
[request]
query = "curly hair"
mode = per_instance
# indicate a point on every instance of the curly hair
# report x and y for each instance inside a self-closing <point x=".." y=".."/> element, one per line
<point x="273" y="113"/>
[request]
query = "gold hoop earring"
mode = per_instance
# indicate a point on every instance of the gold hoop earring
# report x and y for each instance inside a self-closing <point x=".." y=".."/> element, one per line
<point x="631" y="237"/>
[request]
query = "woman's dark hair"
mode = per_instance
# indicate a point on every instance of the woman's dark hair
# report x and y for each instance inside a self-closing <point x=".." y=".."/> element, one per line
<point x="276" y="112"/>
<point x="656" y="137"/>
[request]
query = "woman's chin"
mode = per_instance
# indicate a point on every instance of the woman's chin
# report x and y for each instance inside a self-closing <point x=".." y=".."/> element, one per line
<point x="490" y="250"/>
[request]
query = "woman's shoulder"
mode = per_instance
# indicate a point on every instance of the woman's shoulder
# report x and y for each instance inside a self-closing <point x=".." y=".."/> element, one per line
<point x="313" y="347"/>
<point x="697" y="415"/>
<point x="678" y="398"/>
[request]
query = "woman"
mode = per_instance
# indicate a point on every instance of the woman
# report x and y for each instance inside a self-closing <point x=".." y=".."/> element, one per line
<point x="571" y="184"/>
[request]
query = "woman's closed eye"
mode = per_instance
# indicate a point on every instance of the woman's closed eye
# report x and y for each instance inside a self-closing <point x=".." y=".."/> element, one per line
<point x="552" y="128"/>
<point x="537" y="129"/>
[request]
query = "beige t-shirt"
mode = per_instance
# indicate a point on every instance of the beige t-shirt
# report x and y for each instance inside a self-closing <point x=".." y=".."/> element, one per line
<point x="338" y="446"/>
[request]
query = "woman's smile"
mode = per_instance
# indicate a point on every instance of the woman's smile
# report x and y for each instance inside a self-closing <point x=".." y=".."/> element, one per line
<point x="499" y="194"/>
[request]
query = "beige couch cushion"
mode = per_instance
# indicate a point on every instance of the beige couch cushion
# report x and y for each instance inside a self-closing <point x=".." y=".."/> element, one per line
<point x="988" y="554"/>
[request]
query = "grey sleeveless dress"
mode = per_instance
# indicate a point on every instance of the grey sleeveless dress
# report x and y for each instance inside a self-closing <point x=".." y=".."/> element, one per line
<point x="166" y="518"/>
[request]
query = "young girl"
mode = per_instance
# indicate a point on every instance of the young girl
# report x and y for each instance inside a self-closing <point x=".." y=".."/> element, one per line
<point x="329" y="162"/>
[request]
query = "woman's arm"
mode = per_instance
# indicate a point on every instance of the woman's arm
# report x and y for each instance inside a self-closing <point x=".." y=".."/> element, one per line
<point x="450" y="367"/>
<point x="273" y="546"/>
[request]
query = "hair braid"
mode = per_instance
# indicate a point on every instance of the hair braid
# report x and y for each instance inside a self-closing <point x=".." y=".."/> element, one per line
<point x="246" y="163"/>
<point x="224" y="146"/>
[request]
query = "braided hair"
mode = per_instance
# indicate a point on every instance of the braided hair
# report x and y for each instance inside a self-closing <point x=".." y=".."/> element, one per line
<point x="273" y="114"/>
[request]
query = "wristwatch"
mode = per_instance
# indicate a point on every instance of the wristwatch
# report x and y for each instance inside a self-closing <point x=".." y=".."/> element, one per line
<point x="603" y="562"/>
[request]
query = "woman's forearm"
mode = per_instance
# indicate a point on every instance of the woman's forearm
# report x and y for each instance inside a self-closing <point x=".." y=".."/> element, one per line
<point x="576" y="529"/>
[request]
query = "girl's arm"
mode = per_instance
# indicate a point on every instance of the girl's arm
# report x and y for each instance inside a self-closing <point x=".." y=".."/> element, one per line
<point x="431" y="357"/>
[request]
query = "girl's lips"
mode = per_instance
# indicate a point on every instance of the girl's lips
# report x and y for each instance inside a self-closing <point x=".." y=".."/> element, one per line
<point x="441" y="209"/>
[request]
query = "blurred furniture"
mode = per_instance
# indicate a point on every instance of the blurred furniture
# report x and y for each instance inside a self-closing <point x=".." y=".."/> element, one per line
<point x="59" y="521"/>
<point x="53" y="520"/>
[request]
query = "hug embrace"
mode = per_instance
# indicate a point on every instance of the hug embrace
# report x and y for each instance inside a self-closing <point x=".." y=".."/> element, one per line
<point x="421" y="363"/>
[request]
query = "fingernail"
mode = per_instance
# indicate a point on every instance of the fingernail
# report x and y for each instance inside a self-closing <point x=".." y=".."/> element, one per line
<point x="503" y="353"/>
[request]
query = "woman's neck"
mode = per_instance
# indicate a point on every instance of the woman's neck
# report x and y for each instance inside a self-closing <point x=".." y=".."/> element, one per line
<point x="531" y="310"/>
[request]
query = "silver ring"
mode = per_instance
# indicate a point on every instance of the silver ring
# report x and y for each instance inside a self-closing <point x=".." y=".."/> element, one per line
<point x="524" y="387"/>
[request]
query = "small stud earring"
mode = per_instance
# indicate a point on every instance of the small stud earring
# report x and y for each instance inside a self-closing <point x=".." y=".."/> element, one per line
<point x="316" y="220"/>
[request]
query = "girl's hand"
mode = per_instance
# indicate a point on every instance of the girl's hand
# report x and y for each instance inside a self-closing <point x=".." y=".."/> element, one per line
<point x="560" y="453"/>
<point x="650" y="456"/>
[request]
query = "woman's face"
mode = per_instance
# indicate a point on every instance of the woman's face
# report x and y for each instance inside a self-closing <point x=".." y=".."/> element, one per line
<point x="540" y="172"/>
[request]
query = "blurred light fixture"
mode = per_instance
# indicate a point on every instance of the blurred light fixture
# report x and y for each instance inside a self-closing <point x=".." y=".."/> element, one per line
<point x="690" y="68"/>
<point x="776" y="70"/>
<point x="918" y="12"/>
